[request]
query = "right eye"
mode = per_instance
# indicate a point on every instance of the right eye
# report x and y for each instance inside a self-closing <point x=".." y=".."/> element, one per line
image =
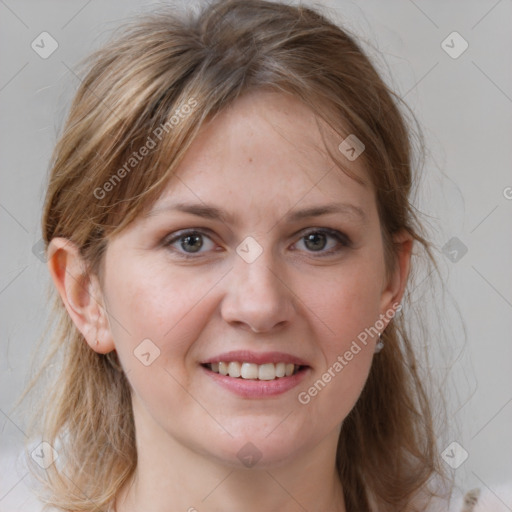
<point x="189" y="242"/>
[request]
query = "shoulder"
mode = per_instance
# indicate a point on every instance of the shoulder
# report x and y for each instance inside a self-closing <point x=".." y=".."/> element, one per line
<point x="488" y="497"/>
<point x="497" y="498"/>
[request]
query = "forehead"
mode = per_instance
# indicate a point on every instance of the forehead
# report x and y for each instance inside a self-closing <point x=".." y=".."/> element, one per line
<point x="266" y="152"/>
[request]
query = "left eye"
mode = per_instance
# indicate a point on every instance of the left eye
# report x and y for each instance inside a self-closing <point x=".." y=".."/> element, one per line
<point x="317" y="240"/>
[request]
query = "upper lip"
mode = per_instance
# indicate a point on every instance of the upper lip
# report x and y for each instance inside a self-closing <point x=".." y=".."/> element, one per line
<point x="246" y="356"/>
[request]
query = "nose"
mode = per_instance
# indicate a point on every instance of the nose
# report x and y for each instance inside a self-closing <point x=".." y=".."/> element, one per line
<point x="258" y="298"/>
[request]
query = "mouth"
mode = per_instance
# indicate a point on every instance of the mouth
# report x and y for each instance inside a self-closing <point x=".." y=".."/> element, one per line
<point x="253" y="371"/>
<point x="256" y="375"/>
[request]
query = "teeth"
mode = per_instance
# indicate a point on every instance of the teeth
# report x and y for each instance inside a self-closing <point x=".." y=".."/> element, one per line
<point x="280" y="369"/>
<point x="267" y="371"/>
<point x="249" y="371"/>
<point x="234" y="369"/>
<point x="223" y="368"/>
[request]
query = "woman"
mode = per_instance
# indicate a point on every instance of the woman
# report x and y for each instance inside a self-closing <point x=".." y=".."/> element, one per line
<point x="229" y="232"/>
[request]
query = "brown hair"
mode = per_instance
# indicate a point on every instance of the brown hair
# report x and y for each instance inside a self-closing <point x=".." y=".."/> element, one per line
<point x="137" y="88"/>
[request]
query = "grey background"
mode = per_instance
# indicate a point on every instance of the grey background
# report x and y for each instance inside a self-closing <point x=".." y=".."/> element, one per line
<point x="464" y="105"/>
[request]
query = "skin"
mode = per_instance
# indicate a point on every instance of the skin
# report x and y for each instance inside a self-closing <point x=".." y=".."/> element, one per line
<point x="259" y="160"/>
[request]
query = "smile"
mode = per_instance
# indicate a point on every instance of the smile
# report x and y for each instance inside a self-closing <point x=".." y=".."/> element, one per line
<point x="252" y="371"/>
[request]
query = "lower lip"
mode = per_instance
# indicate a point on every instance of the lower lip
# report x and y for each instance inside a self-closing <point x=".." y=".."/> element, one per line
<point x="252" y="388"/>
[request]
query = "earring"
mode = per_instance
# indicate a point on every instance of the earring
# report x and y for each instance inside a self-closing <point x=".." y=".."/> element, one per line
<point x="379" y="346"/>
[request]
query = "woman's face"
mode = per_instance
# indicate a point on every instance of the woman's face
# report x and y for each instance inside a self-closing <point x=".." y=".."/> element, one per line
<point x="238" y="262"/>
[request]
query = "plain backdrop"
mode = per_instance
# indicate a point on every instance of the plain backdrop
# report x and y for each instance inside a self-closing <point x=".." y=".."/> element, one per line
<point x="463" y="100"/>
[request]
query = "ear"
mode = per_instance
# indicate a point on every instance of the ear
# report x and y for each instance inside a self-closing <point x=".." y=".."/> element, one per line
<point x="395" y="287"/>
<point x="81" y="294"/>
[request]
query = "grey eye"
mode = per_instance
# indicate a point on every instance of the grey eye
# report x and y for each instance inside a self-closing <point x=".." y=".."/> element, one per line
<point x="190" y="242"/>
<point x="315" y="241"/>
<point x="193" y="241"/>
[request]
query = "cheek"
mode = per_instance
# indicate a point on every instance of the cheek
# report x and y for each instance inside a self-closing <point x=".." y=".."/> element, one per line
<point x="168" y="309"/>
<point x="348" y="303"/>
<point x="347" y="308"/>
<point x="155" y="303"/>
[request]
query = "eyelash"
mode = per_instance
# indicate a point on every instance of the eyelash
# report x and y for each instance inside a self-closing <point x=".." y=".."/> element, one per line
<point x="342" y="239"/>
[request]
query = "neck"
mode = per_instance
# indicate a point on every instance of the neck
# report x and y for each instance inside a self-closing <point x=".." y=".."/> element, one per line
<point x="170" y="476"/>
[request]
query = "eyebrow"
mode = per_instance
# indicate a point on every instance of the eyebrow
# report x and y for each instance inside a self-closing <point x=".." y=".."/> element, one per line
<point x="212" y="212"/>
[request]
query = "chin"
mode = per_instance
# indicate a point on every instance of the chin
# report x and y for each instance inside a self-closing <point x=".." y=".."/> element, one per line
<point x="258" y="448"/>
